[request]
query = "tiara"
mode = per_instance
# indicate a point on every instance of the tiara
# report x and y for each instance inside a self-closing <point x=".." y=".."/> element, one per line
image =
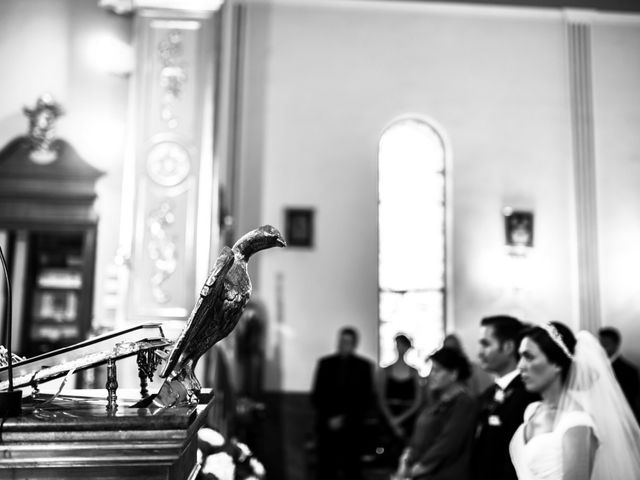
<point x="557" y="339"/>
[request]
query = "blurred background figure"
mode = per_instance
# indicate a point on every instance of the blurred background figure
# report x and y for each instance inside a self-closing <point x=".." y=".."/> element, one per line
<point x="440" y="447"/>
<point x="479" y="380"/>
<point x="399" y="396"/>
<point x="250" y="344"/>
<point x="342" y="395"/>
<point x="250" y="349"/>
<point x="626" y="373"/>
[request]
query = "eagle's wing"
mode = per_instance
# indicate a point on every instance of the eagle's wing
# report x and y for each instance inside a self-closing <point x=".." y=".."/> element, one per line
<point x="211" y="289"/>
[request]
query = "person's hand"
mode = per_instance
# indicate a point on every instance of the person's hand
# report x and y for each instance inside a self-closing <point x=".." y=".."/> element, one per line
<point x="417" y="469"/>
<point x="402" y="473"/>
<point x="403" y="465"/>
<point x="336" y="423"/>
<point x="398" y="476"/>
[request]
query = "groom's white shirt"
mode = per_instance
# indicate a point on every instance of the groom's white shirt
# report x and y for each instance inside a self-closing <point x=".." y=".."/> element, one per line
<point x="504" y="381"/>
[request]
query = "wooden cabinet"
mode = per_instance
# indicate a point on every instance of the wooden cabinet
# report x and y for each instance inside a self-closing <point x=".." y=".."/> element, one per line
<point x="48" y="233"/>
<point x="80" y="439"/>
<point x="59" y="282"/>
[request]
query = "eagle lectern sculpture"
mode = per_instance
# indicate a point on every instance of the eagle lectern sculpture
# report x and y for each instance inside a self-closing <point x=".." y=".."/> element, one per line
<point x="215" y="315"/>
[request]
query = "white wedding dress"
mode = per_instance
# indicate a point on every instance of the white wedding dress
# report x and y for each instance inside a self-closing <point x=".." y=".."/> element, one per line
<point x="540" y="458"/>
<point x="591" y="398"/>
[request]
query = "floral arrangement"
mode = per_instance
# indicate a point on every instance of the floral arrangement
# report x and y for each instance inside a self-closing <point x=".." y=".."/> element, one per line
<point x="222" y="459"/>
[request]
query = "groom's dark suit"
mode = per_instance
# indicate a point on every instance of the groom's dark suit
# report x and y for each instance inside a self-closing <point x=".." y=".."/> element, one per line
<point x="500" y="415"/>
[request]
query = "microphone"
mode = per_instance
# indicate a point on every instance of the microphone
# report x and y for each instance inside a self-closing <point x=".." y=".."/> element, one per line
<point x="11" y="400"/>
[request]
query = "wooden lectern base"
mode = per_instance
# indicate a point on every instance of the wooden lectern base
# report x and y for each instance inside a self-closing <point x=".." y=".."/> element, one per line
<point x="77" y="438"/>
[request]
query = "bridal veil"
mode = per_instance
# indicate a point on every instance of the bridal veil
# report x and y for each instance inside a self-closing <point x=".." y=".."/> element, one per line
<point x="592" y="387"/>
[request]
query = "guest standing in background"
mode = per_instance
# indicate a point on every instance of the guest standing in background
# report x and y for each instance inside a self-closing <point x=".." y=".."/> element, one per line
<point x="342" y="395"/>
<point x="479" y="380"/>
<point x="626" y="373"/>
<point x="399" y="398"/>
<point x="502" y="405"/>
<point x="440" y="446"/>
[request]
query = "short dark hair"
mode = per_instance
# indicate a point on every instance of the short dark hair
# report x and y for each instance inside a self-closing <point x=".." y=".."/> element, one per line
<point x="554" y="352"/>
<point x="611" y="333"/>
<point x="505" y="328"/>
<point x="453" y="360"/>
<point x="452" y="340"/>
<point x="350" y="331"/>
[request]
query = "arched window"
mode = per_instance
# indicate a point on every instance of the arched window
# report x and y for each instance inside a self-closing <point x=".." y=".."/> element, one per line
<point x="411" y="231"/>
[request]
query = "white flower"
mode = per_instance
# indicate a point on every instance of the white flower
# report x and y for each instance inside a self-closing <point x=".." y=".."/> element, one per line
<point x="211" y="437"/>
<point x="244" y="451"/>
<point x="257" y="467"/>
<point x="221" y="465"/>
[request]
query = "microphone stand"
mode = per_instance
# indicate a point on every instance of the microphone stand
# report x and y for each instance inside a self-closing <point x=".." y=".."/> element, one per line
<point x="11" y="400"/>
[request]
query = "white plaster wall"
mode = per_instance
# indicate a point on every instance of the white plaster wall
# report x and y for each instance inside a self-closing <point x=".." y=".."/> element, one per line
<point x="334" y="77"/>
<point x="33" y="42"/>
<point x="321" y="82"/>
<point x="616" y="70"/>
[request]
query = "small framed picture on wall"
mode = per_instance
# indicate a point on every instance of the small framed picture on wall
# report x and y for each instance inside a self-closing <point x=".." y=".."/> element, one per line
<point x="299" y="227"/>
<point x="518" y="228"/>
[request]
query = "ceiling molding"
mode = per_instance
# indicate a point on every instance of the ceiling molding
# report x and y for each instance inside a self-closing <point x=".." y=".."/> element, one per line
<point x="631" y="6"/>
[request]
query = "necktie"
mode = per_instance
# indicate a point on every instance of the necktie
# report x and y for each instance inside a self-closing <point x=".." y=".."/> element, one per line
<point x="498" y="394"/>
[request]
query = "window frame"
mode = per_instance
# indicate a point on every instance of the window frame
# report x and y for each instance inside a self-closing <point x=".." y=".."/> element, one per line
<point x="445" y="172"/>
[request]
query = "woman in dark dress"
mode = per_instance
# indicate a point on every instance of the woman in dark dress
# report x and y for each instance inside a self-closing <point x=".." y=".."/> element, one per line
<point x="399" y="399"/>
<point x="440" y="447"/>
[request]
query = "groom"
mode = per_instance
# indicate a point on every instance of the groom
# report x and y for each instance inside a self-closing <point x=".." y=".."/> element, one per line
<point x="501" y="405"/>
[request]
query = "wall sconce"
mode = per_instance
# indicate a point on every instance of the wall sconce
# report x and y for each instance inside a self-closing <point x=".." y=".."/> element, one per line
<point x="518" y="229"/>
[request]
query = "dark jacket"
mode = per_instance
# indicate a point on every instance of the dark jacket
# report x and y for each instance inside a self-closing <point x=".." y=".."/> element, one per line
<point x="442" y="438"/>
<point x="498" y="420"/>
<point x="627" y="376"/>
<point x="342" y="386"/>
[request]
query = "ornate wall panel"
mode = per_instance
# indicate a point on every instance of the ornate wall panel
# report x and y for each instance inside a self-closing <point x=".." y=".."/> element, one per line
<point x="173" y="188"/>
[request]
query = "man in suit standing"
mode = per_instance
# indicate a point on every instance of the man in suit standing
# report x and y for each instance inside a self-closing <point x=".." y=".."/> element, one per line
<point x="626" y="373"/>
<point x="502" y="405"/>
<point x="342" y="394"/>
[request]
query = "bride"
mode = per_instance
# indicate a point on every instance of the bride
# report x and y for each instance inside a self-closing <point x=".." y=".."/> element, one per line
<point x="583" y="429"/>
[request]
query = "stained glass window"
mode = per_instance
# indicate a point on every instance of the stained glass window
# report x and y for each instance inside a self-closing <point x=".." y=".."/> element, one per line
<point x="412" y="247"/>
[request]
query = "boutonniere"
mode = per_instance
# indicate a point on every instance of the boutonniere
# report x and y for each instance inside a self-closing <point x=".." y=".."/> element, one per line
<point x="494" y="421"/>
<point x="499" y="395"/>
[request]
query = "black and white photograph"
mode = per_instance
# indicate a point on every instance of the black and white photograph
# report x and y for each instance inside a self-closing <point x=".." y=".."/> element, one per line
<point x="320" y="239"/>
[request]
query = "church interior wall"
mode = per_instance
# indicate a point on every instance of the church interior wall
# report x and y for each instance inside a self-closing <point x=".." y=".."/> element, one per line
<point x="321" y="82"/>
<point x="504" y="109"/>
<point x="617" y="151"/>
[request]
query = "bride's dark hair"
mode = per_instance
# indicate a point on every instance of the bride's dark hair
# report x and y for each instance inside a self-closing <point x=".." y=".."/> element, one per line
<point x="557" y="342"/>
